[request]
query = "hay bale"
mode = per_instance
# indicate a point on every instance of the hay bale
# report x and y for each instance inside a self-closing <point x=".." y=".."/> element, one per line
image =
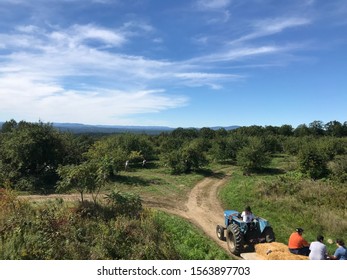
<point x="276" y="251"/>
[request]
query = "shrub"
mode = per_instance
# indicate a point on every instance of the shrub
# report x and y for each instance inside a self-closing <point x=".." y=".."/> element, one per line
<point x="125" y="203"/>
<point x="312" y="162"/>
<point x="253" y="156"/>
<point x="338" y="169"/>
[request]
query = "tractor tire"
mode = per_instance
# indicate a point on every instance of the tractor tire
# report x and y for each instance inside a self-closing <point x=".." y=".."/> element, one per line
<point x="220" y="232"/>
<point x="235" y="239"/>
<point x="269" y="235"/>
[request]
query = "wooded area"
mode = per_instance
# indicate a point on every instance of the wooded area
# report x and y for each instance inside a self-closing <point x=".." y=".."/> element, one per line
<point x="36" y="158"/>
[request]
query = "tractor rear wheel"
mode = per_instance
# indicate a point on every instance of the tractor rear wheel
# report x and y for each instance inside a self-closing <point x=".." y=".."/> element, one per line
<point x="269" y="235"/>
<point x="234" y="239"/>
<point x="220" y="232"/>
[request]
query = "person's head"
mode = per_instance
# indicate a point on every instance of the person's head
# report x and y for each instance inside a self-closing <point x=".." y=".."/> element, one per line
<point x="320" y="238"/>
<point x="340" y="242"/>
<point x="248" y="209"/>
<point x="299" y="230"/>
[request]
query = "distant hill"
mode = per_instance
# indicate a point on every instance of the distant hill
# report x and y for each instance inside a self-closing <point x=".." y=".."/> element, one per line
<point x="225" y="127"/>
<point x="105" y="129"/>
<point x="85" y="128"/>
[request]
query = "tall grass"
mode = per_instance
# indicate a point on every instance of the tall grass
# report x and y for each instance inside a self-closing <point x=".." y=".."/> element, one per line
<point x="59" y="231"/>
<point x="189" y="242"/>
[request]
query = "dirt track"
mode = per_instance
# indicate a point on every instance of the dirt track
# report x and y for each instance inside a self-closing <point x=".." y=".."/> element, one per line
<point x="202" y="207"/>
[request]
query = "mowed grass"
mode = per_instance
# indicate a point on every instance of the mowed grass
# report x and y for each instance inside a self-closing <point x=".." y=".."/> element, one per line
<point x="156" y="181"/>
<point x="287" y="200"/>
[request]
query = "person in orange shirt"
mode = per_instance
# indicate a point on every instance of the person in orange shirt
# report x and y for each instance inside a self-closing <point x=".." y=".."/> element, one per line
<point x="297" y="244"/>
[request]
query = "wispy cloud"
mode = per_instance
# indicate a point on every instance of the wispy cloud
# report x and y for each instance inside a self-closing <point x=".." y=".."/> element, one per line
<point x="213" y="80"/>
<point x="272" y="26"/>
<point x="34" y="37"/>
<point x="218" y="10"/>
<point x="69" y="74"/>
<point x="42" y="100"/>
<point x="84" y="72"/>
<point x="234" y="54"/>
<point x="213" y="4"/>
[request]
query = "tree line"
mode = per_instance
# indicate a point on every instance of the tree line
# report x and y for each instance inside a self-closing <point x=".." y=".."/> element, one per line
<point x="38" y="158"/>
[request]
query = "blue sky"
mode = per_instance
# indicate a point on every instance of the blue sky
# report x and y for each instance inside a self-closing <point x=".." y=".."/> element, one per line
<point x="175" y="63"/>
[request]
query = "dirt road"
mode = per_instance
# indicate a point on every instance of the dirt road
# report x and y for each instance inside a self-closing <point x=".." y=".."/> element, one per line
<point x="202" y="208"/>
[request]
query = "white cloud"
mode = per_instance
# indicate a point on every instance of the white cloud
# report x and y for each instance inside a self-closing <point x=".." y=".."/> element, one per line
<point x="217" y="9"/>
<point x="213" y="4"/>
<point x="200" y="75"/>
<point x="135" y="26"/>
<point x="27" y="28"/>
<point x="234" y="54"/>
<point x="272" y="26"/>
<point x="83" y="34"/>
<point x="45" y="100"/>
<point x="212" y="80"/>
<point x="64" y="74"/>
<point x="56" y="76"/>
<point x="90" y="32"/>
<point x="33" y="37"/>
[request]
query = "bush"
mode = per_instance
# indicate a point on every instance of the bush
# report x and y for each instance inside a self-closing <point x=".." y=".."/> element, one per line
<point x="127" y="204"/>
<point x="338" y="169"/>
<point x="312" y="162"/>
<point x="253" y="156"/>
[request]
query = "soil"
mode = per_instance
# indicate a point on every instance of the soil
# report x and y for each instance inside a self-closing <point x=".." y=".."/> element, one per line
<point x="202" y="208"/>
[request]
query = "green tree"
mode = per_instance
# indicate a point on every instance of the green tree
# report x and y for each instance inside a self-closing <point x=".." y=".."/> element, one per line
<point x="317" y="128"/>
<point x="86" y="177"/>
<point x="312" y="162"/>
<point x="108" y="153"/>
<point x="194" y="155"/>
<point x="8" y="126"/>
<point x="207" y="133"/>
<point x="191" y="156"/>
<point x="185" y="133"/>
<point x="253" y="156"/>
<point x="301" y="130"/>
<point x="30" y="154"/>
<point x="226" y="148"/>
<point x="334" y="128"/>
<point x="286" y="130"/>
<point x="130" y="143"/>
<point x="173" y="160"/>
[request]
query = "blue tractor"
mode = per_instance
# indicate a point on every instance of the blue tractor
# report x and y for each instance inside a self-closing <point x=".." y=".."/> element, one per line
<point x="239" y="233"/>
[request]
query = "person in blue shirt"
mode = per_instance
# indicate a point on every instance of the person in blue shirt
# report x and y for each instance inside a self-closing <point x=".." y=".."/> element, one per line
<point x="341" y="251"/>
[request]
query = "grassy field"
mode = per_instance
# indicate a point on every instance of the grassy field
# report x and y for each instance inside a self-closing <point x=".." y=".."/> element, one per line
<point x="279" y="193"/>
<point x="156" y="181"/>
